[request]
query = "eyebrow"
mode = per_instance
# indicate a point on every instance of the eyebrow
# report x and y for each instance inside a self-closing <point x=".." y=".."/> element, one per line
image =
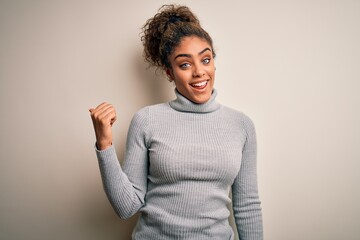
<point x="189" y="55"/>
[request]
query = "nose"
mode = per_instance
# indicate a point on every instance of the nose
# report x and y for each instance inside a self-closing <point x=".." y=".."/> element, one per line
<point x="199" y="71"/>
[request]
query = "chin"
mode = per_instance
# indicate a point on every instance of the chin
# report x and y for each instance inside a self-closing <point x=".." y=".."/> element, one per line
<point x="201" y="99"/>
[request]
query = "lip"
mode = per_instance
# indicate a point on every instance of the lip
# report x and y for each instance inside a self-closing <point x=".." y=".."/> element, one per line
<point x="199" y="85"/>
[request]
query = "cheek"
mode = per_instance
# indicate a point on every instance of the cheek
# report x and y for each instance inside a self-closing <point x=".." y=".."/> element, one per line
<point x="182" y="76"/>
<point x="211" y="71"/>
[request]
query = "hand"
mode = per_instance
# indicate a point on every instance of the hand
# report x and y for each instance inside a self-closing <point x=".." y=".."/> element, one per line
<point x="103" y="117"/>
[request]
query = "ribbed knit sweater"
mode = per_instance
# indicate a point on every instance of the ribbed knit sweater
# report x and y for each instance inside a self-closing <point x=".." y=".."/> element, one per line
<point x="181" y="161"/>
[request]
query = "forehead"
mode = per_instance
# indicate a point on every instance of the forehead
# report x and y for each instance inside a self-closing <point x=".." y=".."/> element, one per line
<point x="191" y="45"/>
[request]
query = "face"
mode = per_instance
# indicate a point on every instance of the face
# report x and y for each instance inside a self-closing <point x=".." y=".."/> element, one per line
<point x="193" y="69"/>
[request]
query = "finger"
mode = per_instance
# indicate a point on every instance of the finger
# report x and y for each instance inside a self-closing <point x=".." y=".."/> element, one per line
<point x="99" y="107"/>
<point x="107" y="116"/>
<point x="99" y="110"/>
<point x="105" y="110"/>
<point x="113" y="120"/>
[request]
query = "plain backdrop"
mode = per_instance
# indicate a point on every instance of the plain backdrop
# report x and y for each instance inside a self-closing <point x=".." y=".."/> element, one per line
<point x="292" y="66"/>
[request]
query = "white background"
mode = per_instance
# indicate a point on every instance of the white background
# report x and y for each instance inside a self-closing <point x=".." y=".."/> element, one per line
<point x="292" y="66"/>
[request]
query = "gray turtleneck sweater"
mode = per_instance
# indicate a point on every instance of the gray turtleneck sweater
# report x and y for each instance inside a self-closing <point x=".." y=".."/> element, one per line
<point x="182" y="160"/>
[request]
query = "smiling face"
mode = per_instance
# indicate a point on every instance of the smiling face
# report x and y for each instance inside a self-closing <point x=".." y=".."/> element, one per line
<point x="193" y="69"/>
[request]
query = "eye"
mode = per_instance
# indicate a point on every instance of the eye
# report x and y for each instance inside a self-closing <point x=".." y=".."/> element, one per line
<point x="206" y="60"/>
<point x="185" y="65"/>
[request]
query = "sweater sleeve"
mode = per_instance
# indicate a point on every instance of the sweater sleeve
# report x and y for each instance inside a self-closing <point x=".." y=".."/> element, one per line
<point x="126" y="186"/>
<point x="246" y="203"/>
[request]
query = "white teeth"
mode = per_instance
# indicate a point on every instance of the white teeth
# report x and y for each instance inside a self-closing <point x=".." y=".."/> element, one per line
<point x="200" y="84"/>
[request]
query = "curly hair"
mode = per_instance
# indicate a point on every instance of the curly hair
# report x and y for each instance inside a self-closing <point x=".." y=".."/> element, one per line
<point x="164" y="32"/>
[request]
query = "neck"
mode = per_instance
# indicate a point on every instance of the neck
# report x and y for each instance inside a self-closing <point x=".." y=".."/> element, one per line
<point x="183" y="104"/>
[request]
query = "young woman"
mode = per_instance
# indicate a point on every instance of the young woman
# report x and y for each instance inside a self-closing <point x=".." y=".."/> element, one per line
<point x="183" y="157"/>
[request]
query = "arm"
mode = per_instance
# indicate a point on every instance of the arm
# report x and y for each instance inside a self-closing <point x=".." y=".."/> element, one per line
<point x="246" y="203"/>
<point x="126" y="187"/>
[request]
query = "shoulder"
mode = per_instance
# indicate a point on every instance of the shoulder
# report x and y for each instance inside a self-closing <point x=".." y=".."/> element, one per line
<point x="237" y="115"/>
<point x="144" y="115"/>
<point x="239" y="118"/>
<point x="145" y="112"/>
<point x="143" y="120"/>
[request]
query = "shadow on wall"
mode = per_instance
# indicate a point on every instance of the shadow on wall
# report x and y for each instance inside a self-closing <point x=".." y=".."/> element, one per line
<point x="154" y="83"/>
<point x="151" y="87"/>
<point x="103" y="223"/>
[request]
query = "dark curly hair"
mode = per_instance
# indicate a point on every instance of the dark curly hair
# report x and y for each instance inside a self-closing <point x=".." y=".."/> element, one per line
<point x="163" y="32"/>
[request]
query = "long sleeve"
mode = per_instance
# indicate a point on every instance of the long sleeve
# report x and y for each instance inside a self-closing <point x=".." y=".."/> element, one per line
<point x="246" y="203"/>
<point x="181" y="159"/>
<point x="126" y="187"/>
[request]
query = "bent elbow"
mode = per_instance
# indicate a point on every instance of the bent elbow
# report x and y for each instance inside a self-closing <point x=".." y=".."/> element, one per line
<point x="125" y="212"/>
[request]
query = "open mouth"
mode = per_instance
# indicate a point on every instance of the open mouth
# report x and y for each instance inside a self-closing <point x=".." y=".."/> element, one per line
<point x="199" y="85"/>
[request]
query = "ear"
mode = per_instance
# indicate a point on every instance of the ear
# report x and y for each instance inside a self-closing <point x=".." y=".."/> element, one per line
<point x="170" y="74"/>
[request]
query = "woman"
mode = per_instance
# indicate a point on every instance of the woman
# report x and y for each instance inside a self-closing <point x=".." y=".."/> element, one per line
<point x="182" y="157"/>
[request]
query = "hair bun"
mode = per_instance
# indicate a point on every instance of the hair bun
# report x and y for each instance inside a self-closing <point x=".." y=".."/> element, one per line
<point x="174" y="14"/>
<point x="165" y="30"/>
<point x="174" y="19"/>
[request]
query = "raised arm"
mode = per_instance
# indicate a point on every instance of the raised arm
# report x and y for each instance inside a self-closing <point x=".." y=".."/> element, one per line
<point x="125" y="188"/>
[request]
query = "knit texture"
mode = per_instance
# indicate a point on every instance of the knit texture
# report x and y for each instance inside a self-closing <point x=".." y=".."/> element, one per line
<point x="181" y="161"/>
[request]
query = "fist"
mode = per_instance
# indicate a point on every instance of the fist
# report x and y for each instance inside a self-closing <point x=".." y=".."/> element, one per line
<point x="103" y="117"/>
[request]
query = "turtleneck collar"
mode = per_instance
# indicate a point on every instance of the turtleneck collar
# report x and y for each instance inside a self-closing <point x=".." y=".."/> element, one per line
<point x="183" y="104"/>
